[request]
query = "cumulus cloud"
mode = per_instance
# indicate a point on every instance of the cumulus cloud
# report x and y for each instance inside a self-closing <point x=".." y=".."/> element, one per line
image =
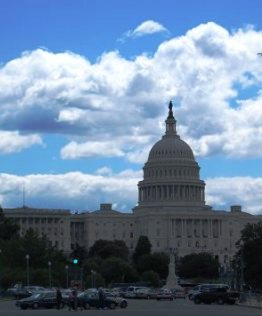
<point x="13" y="142"/>
<point x="148" y="27"/>
<point x="104" y="171"/>
<point x="75" y="150"/>
<point x="214" y="76"/>
<point x="222" y="192"/>
<point x="73" y="190"/>
<point x="80" y="191"/>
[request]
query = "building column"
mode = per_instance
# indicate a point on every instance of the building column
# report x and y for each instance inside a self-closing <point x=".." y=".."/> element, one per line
<point x="183" y="227"/>
<point x="211" y="228"/>
<point x="191" y="192"/>
<point x="159" y="192"/>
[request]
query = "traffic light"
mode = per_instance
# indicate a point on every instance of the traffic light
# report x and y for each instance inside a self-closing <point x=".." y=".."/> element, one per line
<point x="75" y="261"/>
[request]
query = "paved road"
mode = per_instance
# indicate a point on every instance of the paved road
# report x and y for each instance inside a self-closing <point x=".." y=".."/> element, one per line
<point x="178" y="307"/>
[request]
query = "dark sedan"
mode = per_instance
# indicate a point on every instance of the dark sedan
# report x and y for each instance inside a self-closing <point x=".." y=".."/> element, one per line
<point x="43" y="299"/>
<point x="88" y="300"/>
<point x="219" y="295"/>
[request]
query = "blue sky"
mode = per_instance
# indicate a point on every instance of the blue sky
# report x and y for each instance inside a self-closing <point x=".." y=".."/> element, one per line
<point x="84" y="89"/>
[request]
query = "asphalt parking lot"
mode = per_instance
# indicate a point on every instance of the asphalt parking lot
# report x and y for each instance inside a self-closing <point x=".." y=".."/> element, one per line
<point x="142" y="308"/>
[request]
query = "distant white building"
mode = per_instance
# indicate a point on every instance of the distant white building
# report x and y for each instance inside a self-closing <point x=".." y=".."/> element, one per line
<point x="171" y="210"/>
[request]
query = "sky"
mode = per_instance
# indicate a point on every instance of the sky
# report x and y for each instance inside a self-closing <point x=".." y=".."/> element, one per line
<point x="84" y="93"/>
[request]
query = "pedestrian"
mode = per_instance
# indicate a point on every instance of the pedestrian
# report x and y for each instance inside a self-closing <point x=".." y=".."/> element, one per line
<point x="70" y="301"/>
<point x="58" y="298"/>
<point x="101" y="298"/>
<point x="75" y="299"/>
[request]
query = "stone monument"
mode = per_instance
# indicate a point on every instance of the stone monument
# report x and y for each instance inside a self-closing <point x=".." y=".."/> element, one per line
<point x="172" y="281"/>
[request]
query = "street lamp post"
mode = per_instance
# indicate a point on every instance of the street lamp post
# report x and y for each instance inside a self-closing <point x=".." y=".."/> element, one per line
<point x="49" y="273"/>
<point x="27" y="257"/>
<point x="66" y="269"/>
<point x="81" y="277"/>
<point x="93" y="278"/>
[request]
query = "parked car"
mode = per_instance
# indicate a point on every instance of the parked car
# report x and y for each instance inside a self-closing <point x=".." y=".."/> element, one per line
<point x="146" y="293"/>
<point x="131" y="291"/>
<point x="121" y="302"/>
<point x="152" y="294"/>
<point x="220" y="295"/>
<point x="20" y="292"/>
<point x="165" y="294"/>
<point x="44" y="299"/>
<point x="11" y="290"/>
<point x="91" y="299"/>
<point x="203" y="287"/>
<point x="179" y="293"/>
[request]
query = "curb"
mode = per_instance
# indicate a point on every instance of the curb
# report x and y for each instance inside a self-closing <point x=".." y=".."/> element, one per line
<point x="6" y="299"/>
<point x="249" y="306"/>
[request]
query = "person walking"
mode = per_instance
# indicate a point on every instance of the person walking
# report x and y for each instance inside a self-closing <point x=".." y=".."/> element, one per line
<point x="101" y="298"/>
<point x="58" y="298"/>
<point x="70" y="301"/>
<point x="75" y="299"/>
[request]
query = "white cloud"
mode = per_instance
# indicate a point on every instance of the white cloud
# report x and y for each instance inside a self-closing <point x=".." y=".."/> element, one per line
<point x="80" y="191"/>
<point x="13" y="142"/>
<point x="75" y="150"/>
<point x="214" y="76"/>
<point x="70" y="115"/>
<point x="104" y="171"/>
<point x="222" y="192"/>
<point x="117" y="147"/>
<point x="148" y="27"/>
<point x="74" y="190"/>
<point x="139" y="156"/>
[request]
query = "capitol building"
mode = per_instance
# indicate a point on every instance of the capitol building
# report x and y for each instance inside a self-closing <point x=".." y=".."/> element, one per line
<point x="171" y="210"/>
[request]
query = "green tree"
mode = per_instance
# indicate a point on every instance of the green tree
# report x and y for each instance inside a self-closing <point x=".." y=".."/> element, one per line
<point x="106" y="249"/>
<point x="117" y="270"/>
<point x="201" y="265"/>
<point x="8" y="228"/>
<point x="13" y="256"/>
<point x="94" y="280"/>
<point x="151" y="277"/>
<point x="143" y="247"/>
<point x="250" y="251"/>
<point x="157" y="262"/>
<point x="92" y="264"/>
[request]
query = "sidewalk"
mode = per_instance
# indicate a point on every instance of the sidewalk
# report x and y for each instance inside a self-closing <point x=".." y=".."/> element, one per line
<point x="6" y="298"/>
<point x="254" y="301"/>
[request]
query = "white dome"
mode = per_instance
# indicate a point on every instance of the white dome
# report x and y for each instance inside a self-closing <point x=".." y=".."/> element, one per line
<point x="170" y="148"/>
